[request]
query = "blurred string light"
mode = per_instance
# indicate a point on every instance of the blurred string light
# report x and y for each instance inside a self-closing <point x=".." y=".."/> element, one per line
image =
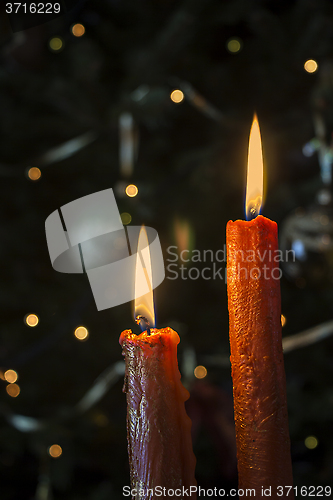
<point x="94" y="394"/>
<point x="126" y="218"/>
<point x="311" y="442"/>
<point x="128" y="143"/>
<point x="310" y="66"/>
<point x="55" y="154"/>
<point x="78" y="29"/>
<point x="81" y="333"/>
<point x="177" y="96"/>
<point x="34" y="173"/>
<point x="11" y="376"/>
<point x="234" y="45"/>
<point x="131" y="190"/>
<point x="200" y="102"/>
<point x="55" y="451"/>
<point x="31" y="320"/>
<point x="2" y="376"/>
<point x="184" y="235"/>
<point x="13" y="390"/>
<point x="283" y="320"/>
<point x="56" y="43"/>
<point x="200" y="371"/>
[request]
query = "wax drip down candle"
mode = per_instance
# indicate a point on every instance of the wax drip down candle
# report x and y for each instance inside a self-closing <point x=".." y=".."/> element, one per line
<point x="160" y="450"/>
<point x="259" y="386"/>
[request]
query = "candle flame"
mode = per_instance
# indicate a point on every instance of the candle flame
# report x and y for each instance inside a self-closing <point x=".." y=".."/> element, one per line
<point x="144" y="298"/>
<point x="255" y="173"/>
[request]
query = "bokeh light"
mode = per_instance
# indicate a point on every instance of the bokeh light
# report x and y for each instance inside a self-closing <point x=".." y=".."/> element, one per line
<point x="13" y="390"/>
<point x="234" y="45"/>
<point x="131" y="190"/>
<point x="55" y="451"/>
<point x="11" y="376"/>
<point x="283" y="320"/>
<point x="101" y="419"/>
<point x="81" y="333"/>
<point x="56" y="44"/>
<point x="34" y="173"/>
<point x="177" y="96"/>
<point x="311" y="442"/>
<point x="200" y="371"/>
<point x="78" y="29"/>
<point x="126" y="218"/>
<point x="310" y="66"/>
<point x="31" y="320"/>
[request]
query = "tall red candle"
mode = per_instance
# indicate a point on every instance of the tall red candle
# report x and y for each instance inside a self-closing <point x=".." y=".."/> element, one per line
<point x="259" y="387"/>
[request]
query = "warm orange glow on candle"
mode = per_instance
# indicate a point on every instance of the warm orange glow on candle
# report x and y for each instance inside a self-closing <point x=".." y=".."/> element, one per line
<point x="255" y="173"/>
<point x="144" y="298"/>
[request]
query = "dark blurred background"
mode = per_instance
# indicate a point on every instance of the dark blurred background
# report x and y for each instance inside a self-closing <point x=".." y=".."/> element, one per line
<point x="86" y="104"/>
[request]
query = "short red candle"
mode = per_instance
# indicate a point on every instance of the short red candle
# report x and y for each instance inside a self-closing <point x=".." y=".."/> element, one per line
<point x="158" y="428"/>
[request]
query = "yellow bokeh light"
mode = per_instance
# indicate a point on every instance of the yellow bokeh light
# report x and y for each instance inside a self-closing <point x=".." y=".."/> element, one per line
<point x="126" y="218"/>
<point x="234" y="45"/>
<point x="310" y="66"/>
<point x="131" y="190"/>
<point x="200" y="371"/>
<point x="177" y="96"/>
<point x="13" y="390"/>
<point x="283" y="320"/>
<point x="2" y="375"/>
<point x="34" y="173"/>
<point x="55" y="451"/>
<point x="11" y="376"/>
<point x="81" y="333"/>
<point x="78" y="29"/>
<point x="31" y="320"/>
<point x="311" y="442"/>
<point x="56" y="44"/>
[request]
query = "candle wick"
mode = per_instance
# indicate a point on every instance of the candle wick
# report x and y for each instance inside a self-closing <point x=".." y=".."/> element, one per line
<point x="144" y="323"/>
<point x="253" y="208"/>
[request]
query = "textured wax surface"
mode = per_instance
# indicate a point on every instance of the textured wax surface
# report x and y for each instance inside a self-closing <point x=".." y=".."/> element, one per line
<point x="259" y="387"/>
<point x="158" y="428"/>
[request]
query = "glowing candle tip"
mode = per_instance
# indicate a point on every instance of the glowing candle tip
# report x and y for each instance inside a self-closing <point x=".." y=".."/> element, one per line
<point x="144" y="298"/>
<point x="254" y="186"/>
